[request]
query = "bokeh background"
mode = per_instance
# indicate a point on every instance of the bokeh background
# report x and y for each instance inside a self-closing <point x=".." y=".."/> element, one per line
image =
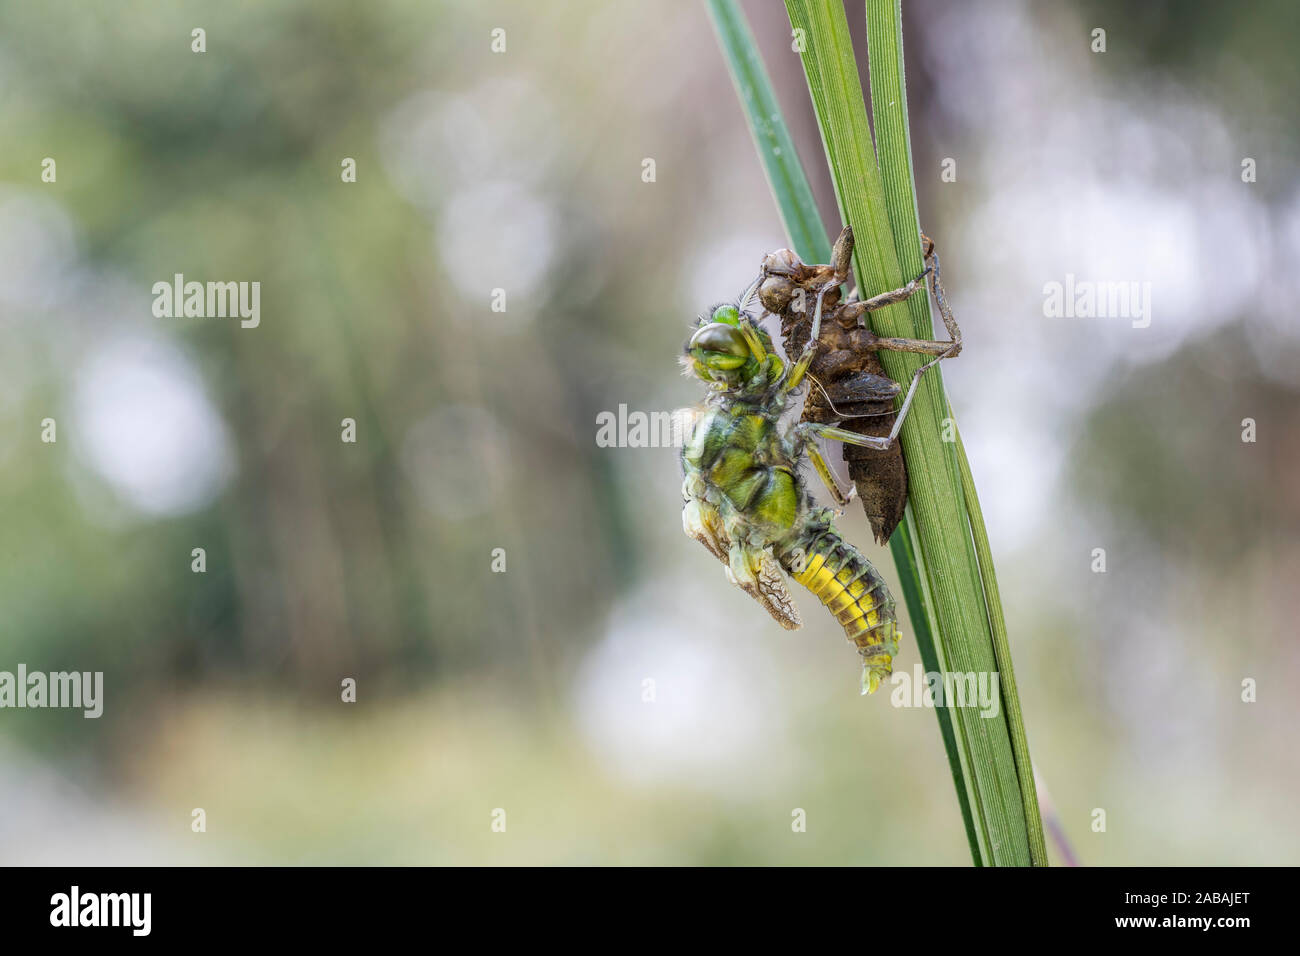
<point x="476" y="430"/>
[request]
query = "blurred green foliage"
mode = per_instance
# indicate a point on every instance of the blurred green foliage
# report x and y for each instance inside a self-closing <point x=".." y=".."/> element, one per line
<point x="476" y="429"/>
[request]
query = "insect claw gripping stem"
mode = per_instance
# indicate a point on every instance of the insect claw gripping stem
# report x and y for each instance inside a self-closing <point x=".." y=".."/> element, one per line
<point x="841" y="266"/>
<point x="940" y="350"/>
<point x="842" y="254"/>
<point x="941" y="298"/>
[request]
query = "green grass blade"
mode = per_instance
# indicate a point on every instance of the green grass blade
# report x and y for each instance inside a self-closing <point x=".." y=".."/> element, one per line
<point x="794" y="197"/>
<point x="893" y="136"/>
<point x="884" y="257"/>
<point x="1002" y="651"/>
<point x="911" y="577"/>
<point x="808" y="237"/>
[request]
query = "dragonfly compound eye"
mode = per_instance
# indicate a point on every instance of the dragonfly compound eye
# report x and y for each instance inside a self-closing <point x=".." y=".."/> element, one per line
<point x="726" y="313"/>
<point x="725" y="342"/>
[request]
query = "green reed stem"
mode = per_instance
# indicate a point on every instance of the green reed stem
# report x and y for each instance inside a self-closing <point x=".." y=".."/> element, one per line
<point x="808" y="237"/>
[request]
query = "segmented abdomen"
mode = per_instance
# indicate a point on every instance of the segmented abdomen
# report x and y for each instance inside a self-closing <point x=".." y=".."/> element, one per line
<point x="847" y="583"/>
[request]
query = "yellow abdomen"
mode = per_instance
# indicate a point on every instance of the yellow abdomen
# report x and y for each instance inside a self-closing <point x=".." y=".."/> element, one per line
<point x="853" y="590"/>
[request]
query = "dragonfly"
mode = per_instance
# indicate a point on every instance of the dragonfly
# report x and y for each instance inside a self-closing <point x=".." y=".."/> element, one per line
<point x="746" y="499"/>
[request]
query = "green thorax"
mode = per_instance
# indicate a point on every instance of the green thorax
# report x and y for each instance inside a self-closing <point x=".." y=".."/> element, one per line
<point x="740" y="452"/>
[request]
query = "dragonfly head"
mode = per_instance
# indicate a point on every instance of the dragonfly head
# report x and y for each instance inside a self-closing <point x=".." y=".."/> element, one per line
<point x="718" y="353"/>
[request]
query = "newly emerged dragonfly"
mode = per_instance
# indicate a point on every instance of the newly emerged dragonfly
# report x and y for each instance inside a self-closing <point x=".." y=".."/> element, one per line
<point x="746" y="500"/>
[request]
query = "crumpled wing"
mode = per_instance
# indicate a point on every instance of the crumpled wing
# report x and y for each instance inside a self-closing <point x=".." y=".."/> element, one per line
<point x="701" y="521"/>
<point x="755" y="571"/>
<point x="766" y="585"/>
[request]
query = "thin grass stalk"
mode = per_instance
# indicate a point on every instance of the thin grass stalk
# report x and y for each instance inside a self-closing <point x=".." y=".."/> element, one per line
<point x="884" y="259"/>
<point x="894" y="147"/>
<point x="808" y="237"/>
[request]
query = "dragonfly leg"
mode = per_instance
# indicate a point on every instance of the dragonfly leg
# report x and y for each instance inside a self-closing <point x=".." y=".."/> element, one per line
<point x="752" y="338"/>
<point x="901" y="294"/>
<point x="911" y="390"/>
<point x="793" y="380"/>
<point x="920" y="346"/>
<point x="869" y="441"/>
<point x="806" y="431"/>
<point x="842" y="255"/>
<point x="940" y="350"/>
<point x="841" y="271"/>
<point x="827" y="476"/>
<point x="855" y="309"/>
<point x="940" y="297"/>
